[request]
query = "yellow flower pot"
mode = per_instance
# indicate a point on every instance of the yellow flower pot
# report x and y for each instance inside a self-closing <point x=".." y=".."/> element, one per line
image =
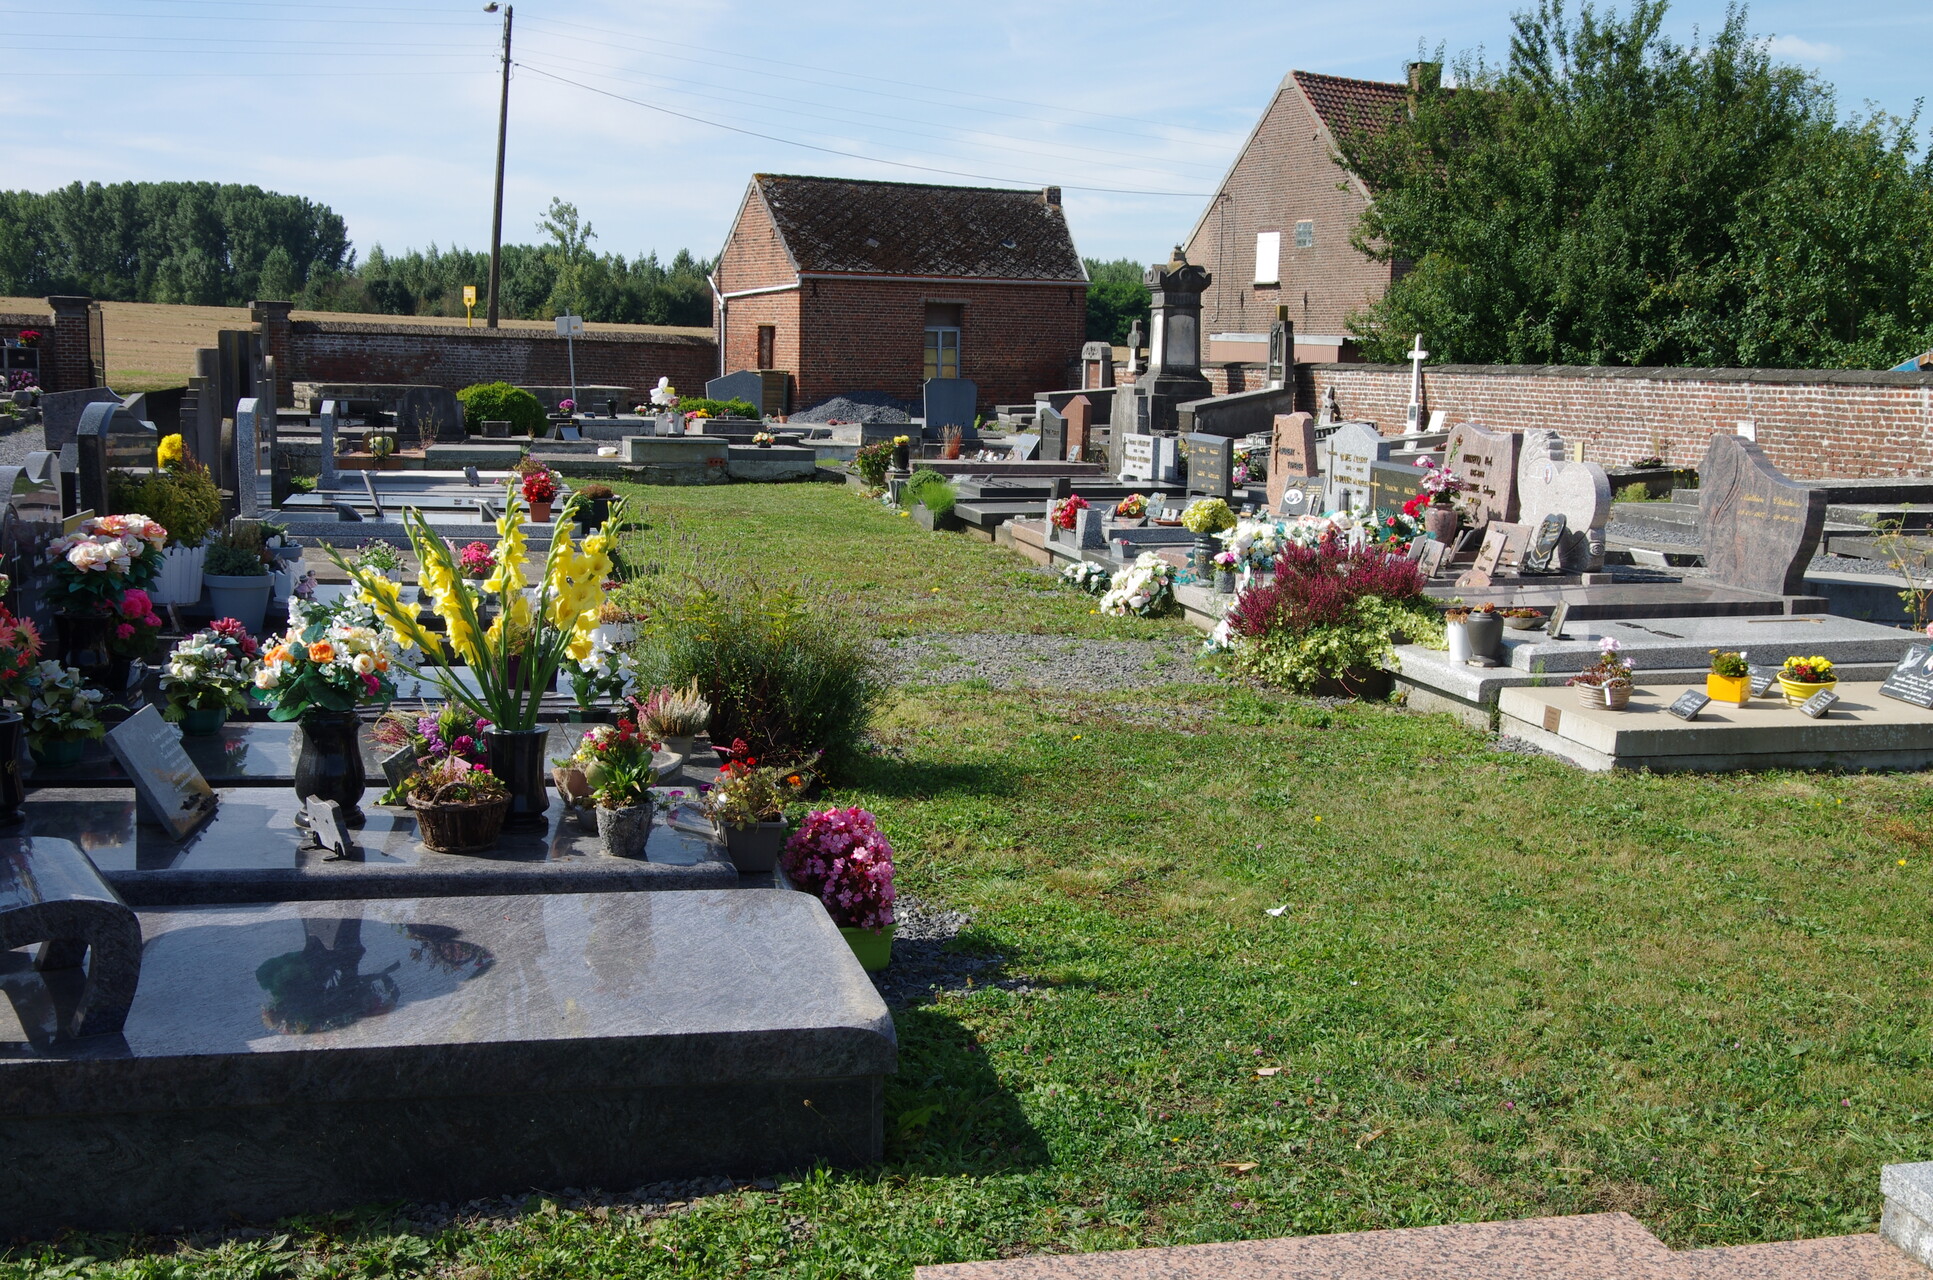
<point x="1733" y="689"/>
<point x="1796" y="692"/>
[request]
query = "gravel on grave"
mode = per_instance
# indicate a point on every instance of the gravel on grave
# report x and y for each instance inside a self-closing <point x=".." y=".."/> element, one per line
<point x="1020" y="661"/>
<point x="857" y="406"/>
<point x="18" y="440"/>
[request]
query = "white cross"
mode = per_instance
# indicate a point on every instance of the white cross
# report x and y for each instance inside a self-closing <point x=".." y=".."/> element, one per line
<point x="1417" y="356"/>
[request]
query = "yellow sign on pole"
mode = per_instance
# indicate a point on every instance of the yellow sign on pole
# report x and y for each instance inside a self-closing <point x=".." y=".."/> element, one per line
<point x="470" y="305"/>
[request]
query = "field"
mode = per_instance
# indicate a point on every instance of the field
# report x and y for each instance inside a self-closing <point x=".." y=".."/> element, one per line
<point x="151" y="345"/>
<point x="1273" y="967"/>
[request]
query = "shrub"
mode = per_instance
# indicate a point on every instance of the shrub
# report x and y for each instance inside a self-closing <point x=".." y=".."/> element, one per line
<point x="233" y="558"/>
<point x="785" y="667"/>
<point x="733" y="408"/>
<point x="872" y="462"/>
<point x="501" y="402"/>
<point x="183" y="498"/>
<point x="1330" y="609"/>
<point x="937" y="498"/>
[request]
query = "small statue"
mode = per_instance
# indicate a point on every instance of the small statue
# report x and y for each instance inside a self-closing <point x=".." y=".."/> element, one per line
<point x="1331" y="412"/>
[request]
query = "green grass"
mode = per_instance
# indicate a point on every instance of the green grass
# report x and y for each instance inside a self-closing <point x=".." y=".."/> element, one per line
<point x="1498" y="988"/>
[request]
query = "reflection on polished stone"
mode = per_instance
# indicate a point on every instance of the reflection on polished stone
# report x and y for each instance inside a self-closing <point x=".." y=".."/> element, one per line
<point x="252" y="851"/>
<point x="305" y="1057"/>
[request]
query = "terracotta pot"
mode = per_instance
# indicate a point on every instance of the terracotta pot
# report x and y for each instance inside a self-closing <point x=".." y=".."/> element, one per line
<point x="540" y="511"/>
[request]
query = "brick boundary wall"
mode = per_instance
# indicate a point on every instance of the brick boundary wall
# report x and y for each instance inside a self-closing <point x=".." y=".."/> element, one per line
<point x="456" y="357"/>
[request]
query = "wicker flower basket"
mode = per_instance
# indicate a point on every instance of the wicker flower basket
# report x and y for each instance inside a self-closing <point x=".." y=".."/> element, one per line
<point x="1604" y="697"/>
<point x="460" y="828"/>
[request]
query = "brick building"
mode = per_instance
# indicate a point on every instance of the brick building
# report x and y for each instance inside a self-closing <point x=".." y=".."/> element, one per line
<point x="1277" y="231"/>
<point x="877" y="286"/>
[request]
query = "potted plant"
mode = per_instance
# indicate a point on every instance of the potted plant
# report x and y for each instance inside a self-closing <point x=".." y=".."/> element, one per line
<point x="1472" y="633"/>
<point x="209" y="676"/>
<point x="130" y="639"/>
<point x="459" y="805"/>
<point x="93" y="568"/>
<point x="1606" y="683"/>
<point x="414" y="739"/>
<point x="872" y="462"/>
<point x="181" y="495"/>
<point x="1730" y="678"/>
<point x="328" y="663"/>
<point x="1131" y="512"/>
<point x="1800" y="678"/>
<point x="1206" y="517"/>
<point x="842" y="857"/>
<point x="508" y="664"/>
<point x="383" y="557"/>
<point x="237" y="580"/>
<point x="675" y="717"/>
<point x="1440" y="517"/>
<point x="539" y="488"/>
<point x="62" y="714"/>
<point x="902" y="453"/>
<point x="763" y="439"/>
<point x="1226" y="563"/>
<point x="1065" y="513"/>
<point x="1523" y="619"/>
<point x="595" y="508"/>
<point x="747" y="806"/>
<point x="621" y="774"/>
<point x="20" y="646"/>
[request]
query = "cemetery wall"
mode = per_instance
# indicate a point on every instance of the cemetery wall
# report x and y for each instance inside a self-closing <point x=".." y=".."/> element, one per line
<point x="341" y="351"/>
<point x="11" y="323"/>
<point x="868" y="335"/>
<point x="1810" y="423"/>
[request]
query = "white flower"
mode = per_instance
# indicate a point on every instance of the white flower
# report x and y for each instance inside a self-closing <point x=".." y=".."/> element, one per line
<point x="364" y="664"/>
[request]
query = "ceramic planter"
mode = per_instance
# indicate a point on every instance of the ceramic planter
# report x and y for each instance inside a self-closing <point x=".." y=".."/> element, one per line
<point x="680" y="744"/>
<point x="934" y="522"/>
<point x="1486" y="634"/>
<point x="201" y="722"/>
<point x="60" y="753"/>
<point x="754" y="849"/>
<point x="540" y="511"/>
<point x="328" y="760"/>
<point x="1440" y="521"/>
<point x="873" y="948"/>
<point x="1796" y="692"/>
<point x="1457" y="636"/>
<point x="243" y="597"/>
<point x="1733" y="689"/>
<point x="180" y="580"/>
<point x="624" y="831"/>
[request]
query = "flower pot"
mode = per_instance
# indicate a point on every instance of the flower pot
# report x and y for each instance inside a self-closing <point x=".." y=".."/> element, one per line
<point x="1604" y="697"/>
<point x="13" y="791"/>
<point x="60" y="753"/>
<point x="572" y="786"/>
<point x="1796" y="692"/>
<point x="243" y="597"/>
<point x="200" y="722"/>
<point x="1206" y="545"/>
<point x="624" y="831"/>
<point x="459" y="828"/>
<point x="1225" y="581"/>
<point x="1457" y="636"/>
<point x="517" y="757"/>
<point x="1524" y="624"/>
<point x="902" y="458"/>
<point x="83" y="641"/>
<point x="1486" y="634"/>
<point x="593" y="512"/>
<point x="680" y="744"/>
<point x="1440" y="521"/>
<point x="1733" y="689"/>
<point x="873" y="948"/>
<point x="328" y="760"/>
<point x="1130" y="522"/>
<point x="754" y="849"/>
<point x="180" y="580"/>
<point x="540" y="511"/>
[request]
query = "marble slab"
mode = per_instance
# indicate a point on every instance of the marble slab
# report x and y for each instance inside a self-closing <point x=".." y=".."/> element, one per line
<point x="252" y="851"/>
<point x="308" y="1057"/>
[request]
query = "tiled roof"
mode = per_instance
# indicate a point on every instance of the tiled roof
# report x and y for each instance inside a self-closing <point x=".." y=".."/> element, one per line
<point x="1348" y="105"/>
<point x="913" y="229"/>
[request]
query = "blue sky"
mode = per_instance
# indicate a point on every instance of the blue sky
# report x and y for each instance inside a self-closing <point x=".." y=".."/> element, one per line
<point x="387" y="112"/>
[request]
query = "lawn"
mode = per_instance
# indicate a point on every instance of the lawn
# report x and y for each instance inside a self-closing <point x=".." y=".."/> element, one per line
<point x="1495" y="987"/>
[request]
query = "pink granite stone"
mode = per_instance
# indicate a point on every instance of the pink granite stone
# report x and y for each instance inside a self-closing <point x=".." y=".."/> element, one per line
<point x="1864" y="1257"/>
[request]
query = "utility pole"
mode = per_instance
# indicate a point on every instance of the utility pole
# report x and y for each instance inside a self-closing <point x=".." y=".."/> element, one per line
<point x="503" y="133"/>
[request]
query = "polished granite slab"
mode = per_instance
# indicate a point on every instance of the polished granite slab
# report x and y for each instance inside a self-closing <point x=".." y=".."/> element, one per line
<point x="307" y="1057"/>
<point x="252" y="851"/>
<point x="1642" y="600"/>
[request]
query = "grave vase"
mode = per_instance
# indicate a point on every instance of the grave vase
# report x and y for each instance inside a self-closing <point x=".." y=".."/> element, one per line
<point x="243" y="597"/>
<point x="1457" y="635"/>
<point x="902" y="458"/>
<point x="1440" y="521"/>
<point x="201" y="722"/>
<point x="328" y="760"/>
<point x="1206" y="545"/>
<point x="517" y="757"/>
<point x="1486" y="634"/>
<point x="13" y="791"/>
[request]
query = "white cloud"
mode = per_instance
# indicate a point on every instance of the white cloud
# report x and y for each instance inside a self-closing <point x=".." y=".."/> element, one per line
<point x="1803" y="50"/>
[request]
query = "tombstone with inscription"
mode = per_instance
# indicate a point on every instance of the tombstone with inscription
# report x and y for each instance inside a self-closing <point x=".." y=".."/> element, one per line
<point x="1080" y="416"/>
<point x="1486" y="460"/>
<point x="1911" y="679"/>
<point x="950" y="402"/>
<point x="328" y="422"/>
<point x="1346" y="457"/>
<point x="1097" y="366"/>
<point x="109" y="437"/>
<point x="1759" y="529"/>
<point x="173" y="793"/>
<point x="1053" y="434"/>
<point x="1174" y="375"/>
<point x="1211" y="465"/>
<point x="1549" y="482"/>
<point x="248" y="458"/>
<point x="1149" y="459"/>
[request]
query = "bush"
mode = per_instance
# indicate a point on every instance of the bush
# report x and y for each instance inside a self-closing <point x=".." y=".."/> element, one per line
<point x="785" y="667"/>
<point x="1328" y="611"/>
<point x="233" y="558"/>
<point x="937" y="497"/>
<point x="718" y="408"/>
<point x="873" y="461"/>
<point x="501" y="402"/>
<point x="183" y="498"/>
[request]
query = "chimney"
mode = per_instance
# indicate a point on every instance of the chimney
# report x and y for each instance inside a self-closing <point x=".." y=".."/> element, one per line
<point x="1051" y="195"/>
<point x="1424" y="77"/>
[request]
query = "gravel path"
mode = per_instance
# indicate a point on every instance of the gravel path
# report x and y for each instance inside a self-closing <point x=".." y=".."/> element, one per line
<point x="17" y="441"/>
<point x="1009" y="661"/>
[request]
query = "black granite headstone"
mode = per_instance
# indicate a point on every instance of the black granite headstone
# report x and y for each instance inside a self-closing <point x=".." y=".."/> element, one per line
<point x="1912" y="680"/>
<point x="1053" y="434"/>
<point x="1689" y="704"/>
<point x="1211" y="464"/>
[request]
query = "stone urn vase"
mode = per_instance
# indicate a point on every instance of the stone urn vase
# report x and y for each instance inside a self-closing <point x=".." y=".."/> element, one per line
<point x="1440" y="521"/>
<point x="1486" y="634"/>
<point x="625" y="832"/>
<point x="328" y="760"/>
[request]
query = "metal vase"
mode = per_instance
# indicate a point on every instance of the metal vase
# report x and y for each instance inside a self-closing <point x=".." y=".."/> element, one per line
<point x="517" y="757"/>
<point x="328" y="760"/>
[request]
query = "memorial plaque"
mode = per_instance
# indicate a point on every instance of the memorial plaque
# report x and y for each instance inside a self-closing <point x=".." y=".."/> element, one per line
<point x="470" y="474"/>
<point x="1689" y="704"/>
<point x="1348" y="454"/>
<point x="1487" y="462"/>
<point x="1819" y="703"/>
<point x="570" y="431"/>
<point x="1763" y="678"/>
<point x="1431" y="561"/>
<point x="1490" y="554"/>
<point x="1301" y="498"/>
<point x="1543" y="548"/>
<point x="1759" y="529"/>
<point x="1391" y="484"/>
<point x="1912" y="680"/>
<point x="323" y="818"/>
<point x="1211" y="463"/>
<point x="1558" y="612"/>
<point x="171" y="788"/>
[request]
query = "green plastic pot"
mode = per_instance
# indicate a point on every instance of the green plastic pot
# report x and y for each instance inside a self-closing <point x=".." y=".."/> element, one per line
<point x="60" y="753"/>
<point x="872" y="947"/>
<point x="200" y="722"/>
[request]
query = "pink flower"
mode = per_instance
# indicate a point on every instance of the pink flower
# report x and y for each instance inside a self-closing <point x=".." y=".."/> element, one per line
<point x="371" y="683"/>
<point x="135" y="600"/>
<point x="124" y="632"/>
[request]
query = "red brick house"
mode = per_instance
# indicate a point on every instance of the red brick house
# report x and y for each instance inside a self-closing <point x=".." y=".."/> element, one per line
<point x="1278" y="229"/>
<point x="877" y="286"/>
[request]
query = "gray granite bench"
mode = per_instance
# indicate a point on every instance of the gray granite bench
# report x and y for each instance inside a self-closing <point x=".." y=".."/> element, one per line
<point x="53" y="896"/>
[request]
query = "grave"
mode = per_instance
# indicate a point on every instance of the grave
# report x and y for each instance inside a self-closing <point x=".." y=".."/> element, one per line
<point x="1549" y="482"/>
<point x="60" y="413"/>
<point x="950" y="402"/>
<point x="1149" y="459"/>
<point x="1173" y="377"/>
<point x="108" y="437"/>
<point x="1080" y="425"/>
<point x="1345" y="458"/>
<point x="1211" y="463"/>
<point x="1759" y="530"/>
<point x="1097" y="366"/>
<point x="1053" y="433"/>
<point x="1487" y="462"/>
<point x="745" y="384"/>
<point x="300" y="1058"/>
<point x="1292" y="455"/>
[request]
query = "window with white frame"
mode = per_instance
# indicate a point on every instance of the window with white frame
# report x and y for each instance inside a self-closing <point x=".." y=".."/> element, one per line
<point x="1268" y="257"/>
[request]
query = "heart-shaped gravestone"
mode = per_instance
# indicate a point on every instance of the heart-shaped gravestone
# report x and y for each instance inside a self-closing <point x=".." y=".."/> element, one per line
<point x="1758" y="528"/>
<point x="1548" y="483"/>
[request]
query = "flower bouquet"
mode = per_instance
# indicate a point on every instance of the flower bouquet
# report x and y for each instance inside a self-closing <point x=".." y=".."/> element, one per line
<point x="136" y="625"/>
<point x="103" y="558"/>
<point x="1730" y="678"/>
<point x="317" y="674"/>
<point x="1145" y="588"/>
<point x="1801" y="678"/>
<point x="1065" y="508"/>
<point x="1207" y="516"/>
<point x="1132" y="507"/>
<point x="1086" y="576"/>
<point x="842" y="856"/>
<point x="426" y="736"/>
<point x="476" y="562"/>
<point x="1606" y="683"/>
<point x="207" y="678"/>
<point x="62" y="714"/>
<point x="567" y="405"/>
<point x="764" y="439"/>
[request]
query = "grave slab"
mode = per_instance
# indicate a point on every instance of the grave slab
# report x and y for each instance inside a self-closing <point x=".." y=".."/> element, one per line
<point x="308" y="1057"/>
<point x="252" y="851"/>
<point x="1632" y="599"/>
<point x="1687" y="642"/>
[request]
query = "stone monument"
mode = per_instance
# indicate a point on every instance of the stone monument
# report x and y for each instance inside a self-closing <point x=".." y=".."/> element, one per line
<point x="1487" y="462"/>
<point x="1292" y="455"/>
<point x="1759" y="529"/>
<point x="1097" y="367"/>
<point x="1174" y="374"/>
<point x="1549" y="482"/>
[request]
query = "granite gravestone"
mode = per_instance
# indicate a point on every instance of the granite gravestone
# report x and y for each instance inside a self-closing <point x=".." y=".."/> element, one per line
<point x="1912" y="679"/>
<point x="950" y="402"/>
<point x="744" y="384"/>
<point x="1053" y="434"/>
<point x="109" y="437"/>
<point x="1152" y="459"/>
<point x="172" y="790"/>
<point x="1080" y="416"/>
<point x="1211" y="463"/>
<point x="1301" y="498"/>
<point x="1548" y="482"/>
<point x="1292" y="454"/>
<point x="1097" y="366"/>
<point x="1759" y="530"/>
<point x="1347" y="456"/>
<point x="248" y="459"/>
<point x="1487" y="462"/>
<point x="60" y="412"/>
<point x="52" y="896"/>
<point x="1542" y="555"/>
<point x="1391" y="484"/>
<point x="328" y="422"/>
<point x="1088" y="532"/>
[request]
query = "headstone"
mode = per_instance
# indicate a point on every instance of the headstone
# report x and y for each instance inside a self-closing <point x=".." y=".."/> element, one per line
<point x="1089" y="534"/>
<point x="172" y="790"/>
<point x="1347" y="456"/>
<point x="1501" y="554"/>
<point x="1021" y="447"/>
<point x="328" y="421"/>
<point x="1211" y="463"/>
<point x="1079" y="415"/>
<point x="248" y="459"/>
<point x="570" y="431"/>
<point x="1331" y="411"/>
<point x="1487" y="462"/>
<point x="90" y="446"/>
<point x="951" y="402"/>
<point x="1431" y="560"/>
<point x="1689" y="704"/>
<point x="1097" y="366"/>
<point x="1053" y="434"/>
<point x="1151" y="459"/>
<point x="1912" y="679"/>
<point x="1174" y="375"/>
<point x="60" y="412"/>
<point x="1548" y="482"/>
<point x="743" y="384"/>
<point x="1391" y="484"/>
<point x="1136" y="340"/>
<point x="1292" y="454"/>
<point x="1759" y="529"/>
<point x="1542" y="555"/>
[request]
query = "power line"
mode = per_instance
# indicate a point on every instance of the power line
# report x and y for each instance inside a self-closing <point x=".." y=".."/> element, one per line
<point x="226" y="17"/>
<point x="851" y="155"/>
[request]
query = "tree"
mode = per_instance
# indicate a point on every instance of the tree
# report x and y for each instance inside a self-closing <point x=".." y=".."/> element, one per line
<point x="1609" y="196"/>
<point x="570" y="250"/>
<point x="1117" y="296"/>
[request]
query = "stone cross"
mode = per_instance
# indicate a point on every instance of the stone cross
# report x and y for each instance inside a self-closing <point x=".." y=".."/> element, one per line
<point x="1414" y="416"/>
<point x="1080" y="412"/>
<point x="1758" y="528"/>
<point x="1134" y="348"/>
